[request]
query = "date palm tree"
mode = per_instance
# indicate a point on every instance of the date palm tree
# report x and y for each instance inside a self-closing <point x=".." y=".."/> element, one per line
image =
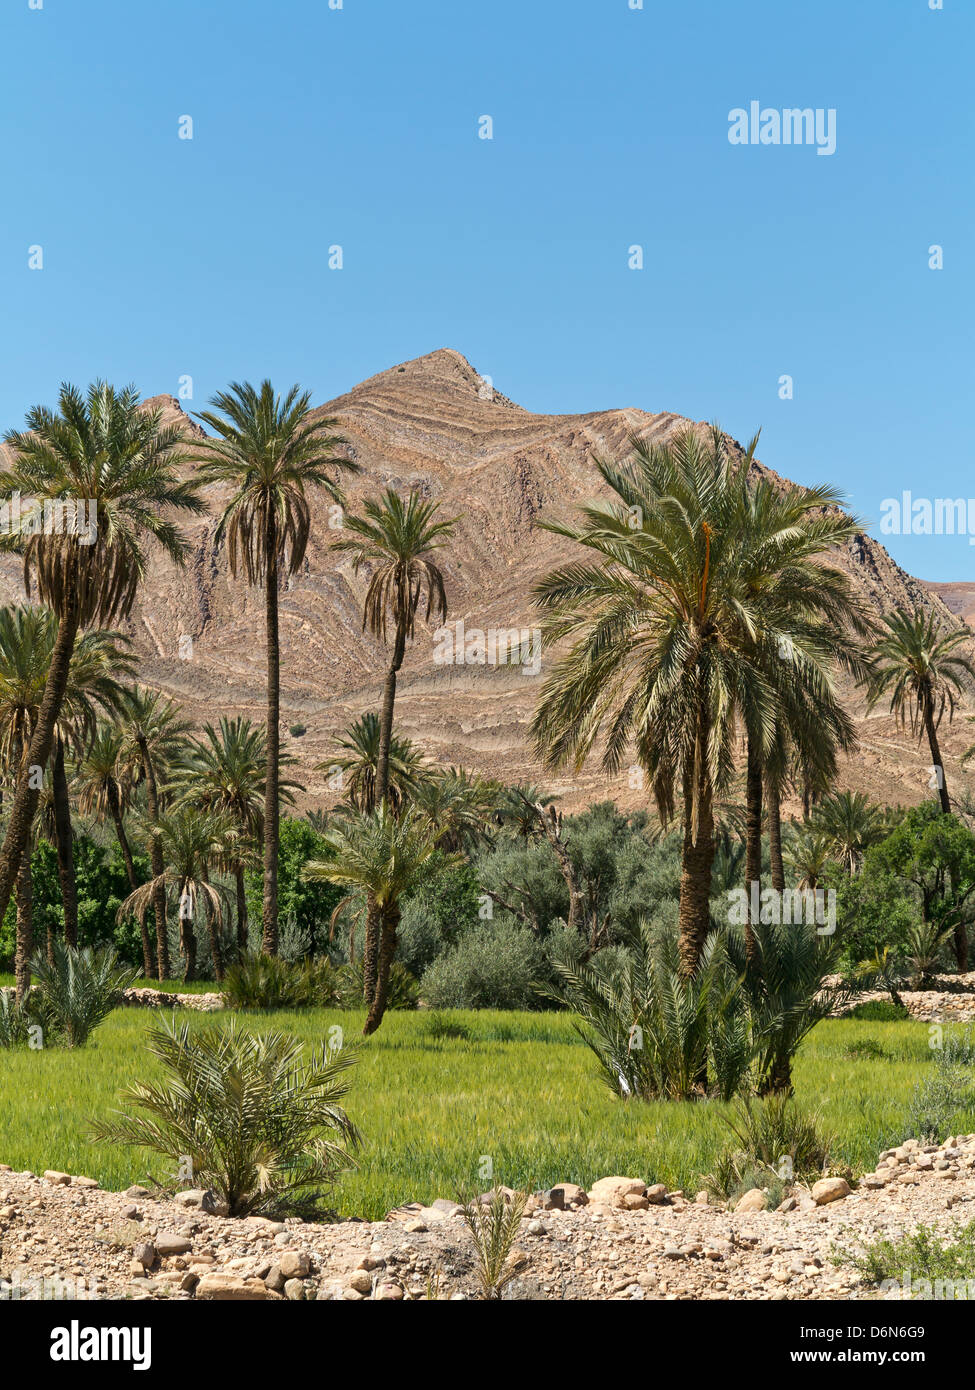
<point x="395" y="541"/>
<point x="27" y="639"/>
<point x="224" y="771"/>
<point x="99" y="450"/>
<point x="190" y="840"/>
<point x="850" y="823"/>
<point x="671" y="633"/>
<point x="270" y="451"/>
<point x="105" y="787"/>
<point x="358" y="761"/>
<point x="922" y="665"/>
<point x="382" y="856"/>
<point x="154" y="733"/>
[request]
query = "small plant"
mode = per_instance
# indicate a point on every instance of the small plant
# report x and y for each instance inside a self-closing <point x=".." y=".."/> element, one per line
<point x="268" y="982"/>
<point x="493" y="1226"/>
<point x="939" y="1099"/>
<point x="261" y="1127"/>
<point x="297" y="730"/>
<point x="865" y="1047"/>
<point x="438" y="1026"/>
<point x="924" y="1264"/>
<point x="776" y="1144"/>
<point x="77" y="990"/>
<point x="879" y="1011"/>
<point x="15" y="1021"/>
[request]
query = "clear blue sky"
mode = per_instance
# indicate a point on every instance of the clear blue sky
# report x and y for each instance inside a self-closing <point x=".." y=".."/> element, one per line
<point x="359" y="127"/>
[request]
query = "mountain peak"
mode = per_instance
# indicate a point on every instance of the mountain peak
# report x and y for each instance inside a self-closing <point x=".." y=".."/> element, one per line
<point x="442" y="373"/>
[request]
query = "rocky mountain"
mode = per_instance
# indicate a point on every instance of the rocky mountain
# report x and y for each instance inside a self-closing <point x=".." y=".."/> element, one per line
<point x="435" y="424"/>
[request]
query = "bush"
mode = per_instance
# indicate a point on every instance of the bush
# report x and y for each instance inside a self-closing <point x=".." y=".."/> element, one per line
<point x="939" y="1267"/>
<point x="402" y="990"/>
<point x="268" y="982"/>
<point x="440" y="1028"/>
<point x="777" y="1144"/>
<point x="493" y="966"/>
<point x="879" y="1011"/>
<point x="263" y="1129"/>
<point x="655" y="1034"/>
<point x="77" y="990"/>
<point x="15" y="1020"/>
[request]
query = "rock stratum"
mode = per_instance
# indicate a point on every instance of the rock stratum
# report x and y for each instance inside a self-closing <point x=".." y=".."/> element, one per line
<point x="435" y="424"/>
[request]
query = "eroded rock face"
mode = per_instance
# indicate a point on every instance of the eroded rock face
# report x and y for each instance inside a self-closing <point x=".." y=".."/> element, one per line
<point x="437" y="424"/>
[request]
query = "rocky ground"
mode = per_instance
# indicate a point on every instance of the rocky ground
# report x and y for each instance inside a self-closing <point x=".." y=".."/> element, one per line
<point x="62" y="1235"/>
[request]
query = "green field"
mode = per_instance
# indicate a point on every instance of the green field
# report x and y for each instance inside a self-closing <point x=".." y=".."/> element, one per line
<point x="523" y="1090"/>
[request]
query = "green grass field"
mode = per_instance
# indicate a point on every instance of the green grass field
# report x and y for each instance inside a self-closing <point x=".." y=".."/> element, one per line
<point x="522" y="1090"/>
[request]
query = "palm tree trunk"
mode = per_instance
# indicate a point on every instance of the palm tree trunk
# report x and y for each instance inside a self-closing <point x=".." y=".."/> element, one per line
<point x="269" y="942"/>
<point x="960" y="934"/>
<point x="156" y="859"/>
<point x="386" y="714"/>
<point x="371" y="944"/>
<point x="697" y="858"/>
<point x="370" y="950"/>
<point x="148" y="965"/>
<point x="27" y="791"/>
<point x="65" y="845"/>
<point x="753" y="845"/>
<point x="241" y="910"/>
<point x="387" y="950"/>
<point x="187" y="938"/>
<point x="774" y="813"/>
<point x="25" y="929"/>
<point x="213" y="931"/>
<point x="932" y="734"/>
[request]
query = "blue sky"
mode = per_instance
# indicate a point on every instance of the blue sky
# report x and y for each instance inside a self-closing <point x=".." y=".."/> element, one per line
<point x="358" y="127"/>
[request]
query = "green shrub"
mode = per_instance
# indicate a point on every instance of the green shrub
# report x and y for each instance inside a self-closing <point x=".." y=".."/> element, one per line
<point x="439" y="1027"/>
<point x="15" y="1020"/>
<point x="402" y="993"/>
<point x="77" y="990"/>
<point x="776" y="1144"/>
<point x="268" y="982"/>
<point x="493" y="966"/>
<point x="261" y="1128"/>
<point x="655" y="1034"/>
<point x="939" y="1267"/>
<point x="879" y="1011"/>
<point x="865" y="1047"/>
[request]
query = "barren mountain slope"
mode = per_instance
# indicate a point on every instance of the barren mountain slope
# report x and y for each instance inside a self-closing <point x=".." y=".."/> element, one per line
<point x="435" y="424"/>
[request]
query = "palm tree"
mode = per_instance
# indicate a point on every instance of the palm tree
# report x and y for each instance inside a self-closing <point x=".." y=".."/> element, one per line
<point x="119" y="462"/>
<point x="359" y="759"/>
<point x="270" y="451"/>
<point x="189" y="840"/>
<point x="461" y="805"/>
<point x="27" y="640"/>
<point x="154" y="734"/>
<point x="224" y="771"/>
<point x="673" y="632"/>
<point x="850" y="823"/>
<point x="919" y="664"/>
<point x="395" y="541"/>
<point x="807" y="853"/>
<point x="382" y="856"/>
<point x="105" y="787"/>
<point x="517" y="808"/>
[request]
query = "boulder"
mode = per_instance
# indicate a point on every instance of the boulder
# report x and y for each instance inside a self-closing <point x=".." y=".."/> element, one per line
<point x="611" y="1191"/>
<point x="830" y="1190"/>
<point x="168" y="1244"/>
<point x="295" y="1264"/>
<point x="753" y="1200"/>
<point x="228" y="1288"/>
